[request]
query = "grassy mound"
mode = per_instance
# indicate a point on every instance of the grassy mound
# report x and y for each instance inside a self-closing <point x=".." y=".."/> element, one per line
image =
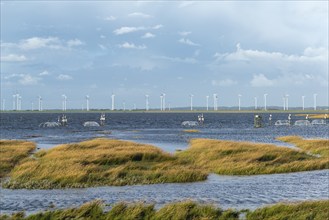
<point x="311" y="210"/>
<point x="245" y="158"/>
<point x="101" y="162"/>
<point x="315" y="210"/>
<point x="12" y="152"/>
<point x="319" y="147"/>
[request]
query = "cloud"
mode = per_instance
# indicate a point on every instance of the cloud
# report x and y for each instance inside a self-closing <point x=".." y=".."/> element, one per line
<point x="185" y="4"/>
<point x="127" y="45"/>
<point x="75" y="42"/>
<point x="64" y="77"/>
<point x="24" y="79"/>
<point x="44" y="73"/>
<point x="224" y="83"/>
<point x="139" y="15"/>
<point x="148" y="35"/>
<point x="126" y="30"/>
<point x="178" y="59"/>
<point x="35" y="43"/>
<point x="184" y="33"/>
<point x="13" y="58"/>
<point x="188" y="42"/>
<point x="110" y="18"/>
<point x="260" y="80"/>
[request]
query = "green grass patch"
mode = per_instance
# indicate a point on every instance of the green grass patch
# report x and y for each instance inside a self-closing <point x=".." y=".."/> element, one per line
<point x="12" y="152"/>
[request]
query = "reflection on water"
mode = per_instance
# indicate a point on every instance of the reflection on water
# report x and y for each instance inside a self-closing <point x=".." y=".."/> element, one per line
<point x="165" y="131"/>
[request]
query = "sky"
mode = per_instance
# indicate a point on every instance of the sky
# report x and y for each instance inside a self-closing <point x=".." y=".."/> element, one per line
<point x="134" y="48"/>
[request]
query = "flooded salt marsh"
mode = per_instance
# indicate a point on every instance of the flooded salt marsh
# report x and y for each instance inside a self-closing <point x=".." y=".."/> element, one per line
<point x="165" y="131"/>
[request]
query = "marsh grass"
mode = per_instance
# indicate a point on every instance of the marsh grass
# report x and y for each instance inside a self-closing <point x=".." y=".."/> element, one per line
<point x="313" y="116"/>
<point x="12" y="152"/>
<point x="310" y="210"/>
<point x="191" y="131"/>
<point x="101" y="162"/>
<point x="318" y="146"/>
<point x="245" y="158"/>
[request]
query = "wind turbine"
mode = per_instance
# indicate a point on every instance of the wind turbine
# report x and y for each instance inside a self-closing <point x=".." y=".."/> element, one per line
<point x="3" y="104"/>
<point x="124" y="105"/>
<point x="112" y="97"/>
<point x="207" y="98"/>
<point x="146" y="102"/>
<point x="284" y="103"/>
<point x="239" y="101"/>
<point x="39" y="103"/>
<point x="314" y="97"/>
<point x="287" y="102"/>
<point x="164" y="102"/>
<point x="161" y="102"/>
<point x="265" y="96"/>
<point x="191" y="97"/>
<point x="215" y="101"/>
<point x="14" y="102"/>
<point x="87" y="102"/>
<point x="255" y="103"/>
<point x="303" y="102"/>
<point x="19" y="102"/>
<point x="32" y="106"/>
<point x="64" y="102"/>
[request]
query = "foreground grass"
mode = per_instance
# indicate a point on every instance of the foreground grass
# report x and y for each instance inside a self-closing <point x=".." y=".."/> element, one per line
<point x="311" y="210"/>
<point x="245" y="158"/>
<point x="314" y="116"/>
<point x="314" y="210"/>
<point x="191" y="131"/>
<point x="12" y="152"/>
<point x="101" y="162"/>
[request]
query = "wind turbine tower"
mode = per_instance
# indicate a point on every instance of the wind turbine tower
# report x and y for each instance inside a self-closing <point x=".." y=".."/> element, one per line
<point x="39" y="103"/>
<point x="161" y="102"/>
<point x="64" y="102"/>
<point x="146" y="102"/>
<point x="265" y="97"/>
<point x="314" y="97"/>
<point x="87" y="102"/>
<point x="164" y="102"/>
<point x="112" y="97"/>
<point x="19" y="102"/>
<point x="191" y="97"/>
<point x="284" y="103"/>
<point x="215" y="102"/>
<point x="239" y="101"/>
<point x="207" y="98"/>
<point x="255" y="103"/>
<point x="287" y="102"/>
<point x="303" y="102"/>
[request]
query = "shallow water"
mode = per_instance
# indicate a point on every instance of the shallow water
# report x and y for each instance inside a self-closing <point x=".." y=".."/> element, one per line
<point x="165" y="131"/>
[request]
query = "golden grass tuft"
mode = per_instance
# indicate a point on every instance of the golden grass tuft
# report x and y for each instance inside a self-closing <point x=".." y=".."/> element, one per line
<point x="101" y="162"/>
<point x="12" y="152"/>
<point x="245" y="158"/>
<point x="191" y="131"/>
<point x="313" y="116"/>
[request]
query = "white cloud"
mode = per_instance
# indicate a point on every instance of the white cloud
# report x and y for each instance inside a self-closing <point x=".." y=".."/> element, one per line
<point x="110" y="18"/>
<point x="260" y="80"/>
<point x="148" y="35"/>
<point x="185" y="4"/>
<point x="13" y="58"/>
<point x="44" y="73"/>
<point x="184" y="33"/>
<point x="64" y="77"/>
<point x="127" y="45"/>
<point x="24" y="79"/>
<point x="139" y="14"/>
<point x="102" y="36"/>
<point x="177" y="59"/>
<point x="102" y="46"/>
<point x="126" y="30"/>
<point x="75" y="42"/>
<point x="37" y="42"/>
<point x="188" y="42"/>
<point x="224" y="83"/>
